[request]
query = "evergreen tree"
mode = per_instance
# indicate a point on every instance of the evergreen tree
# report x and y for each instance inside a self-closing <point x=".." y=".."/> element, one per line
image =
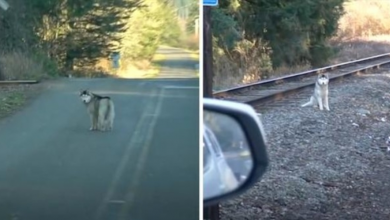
<point x="296" y="30"/>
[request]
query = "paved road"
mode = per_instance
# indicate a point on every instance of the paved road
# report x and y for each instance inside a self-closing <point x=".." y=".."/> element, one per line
<point x="53" y="167"/>
<point x="178" y="64"/>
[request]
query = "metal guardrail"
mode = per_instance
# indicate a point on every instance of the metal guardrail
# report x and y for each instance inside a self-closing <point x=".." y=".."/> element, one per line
<point x="10" y="82"/>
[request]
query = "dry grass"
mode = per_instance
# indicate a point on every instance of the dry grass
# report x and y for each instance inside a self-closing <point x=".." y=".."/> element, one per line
<point x="363" y="33"/>
<point x="255" y="65"/>
<point x="141" y="69"/>
<point x="104" y="64"/>
<point x="10" y="102"/>
<point x="101" y="69"/>
<point x="89" y="73"/>
<point x="191" y="42"/>
<point x="360" y="48"/>
<point x="127" y="69"/>
<point x="364" y="18"/>
<point x="242" y="78"/>
<point x="283" y="70"/>
<point x="135" y="69"/>
<point x="20" y="66"/>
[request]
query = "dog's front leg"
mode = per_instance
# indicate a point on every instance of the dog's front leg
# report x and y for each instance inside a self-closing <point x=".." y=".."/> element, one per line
<point x="310" y="102"/>
<point x="320" y="104"/>
<point x="326" y="102"/>
<point x="95" y="123"/>
<point x="92" y="122"/>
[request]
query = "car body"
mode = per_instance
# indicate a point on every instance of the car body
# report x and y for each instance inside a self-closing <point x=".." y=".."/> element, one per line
<point x="217" y="175"/>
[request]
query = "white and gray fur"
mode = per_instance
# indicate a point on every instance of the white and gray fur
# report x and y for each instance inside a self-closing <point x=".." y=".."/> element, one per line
<point x="320" y="97"/>
<point x="101" y="110"/>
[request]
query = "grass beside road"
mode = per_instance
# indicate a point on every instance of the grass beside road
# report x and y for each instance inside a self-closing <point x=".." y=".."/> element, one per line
<point x="156" y="65"/>
<point x="142" y="69"/>
<point x="193" y="54"/>
<point x="11" y="101"/>
<point x="151" y="69"/>
<point x="16" y="96"/>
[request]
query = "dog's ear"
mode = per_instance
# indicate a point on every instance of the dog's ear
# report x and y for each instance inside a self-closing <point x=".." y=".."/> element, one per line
<point x="326" y="75"/>
<point x="83" y="91"/>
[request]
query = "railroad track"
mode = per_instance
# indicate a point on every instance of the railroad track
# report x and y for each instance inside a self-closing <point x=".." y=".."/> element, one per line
<point x="278" y="88"/>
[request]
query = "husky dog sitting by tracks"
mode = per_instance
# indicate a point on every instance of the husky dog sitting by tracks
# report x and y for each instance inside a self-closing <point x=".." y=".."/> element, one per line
<point x="101" y="110"/>
<point x="321" y="91"/>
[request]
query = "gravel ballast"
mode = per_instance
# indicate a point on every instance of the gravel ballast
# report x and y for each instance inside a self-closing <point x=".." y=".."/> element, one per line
<point x="325" y="165"/>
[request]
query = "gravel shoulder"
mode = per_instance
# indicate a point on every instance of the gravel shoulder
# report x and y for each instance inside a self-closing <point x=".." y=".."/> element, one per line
<point x="326" y="165"/>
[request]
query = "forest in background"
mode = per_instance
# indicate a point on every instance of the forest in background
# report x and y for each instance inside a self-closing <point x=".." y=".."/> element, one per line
<point x="261" y="39"/>
<point x="47" y="38"/>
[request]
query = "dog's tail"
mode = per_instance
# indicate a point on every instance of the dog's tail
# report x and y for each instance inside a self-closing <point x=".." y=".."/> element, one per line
<point x="311" y="102"/>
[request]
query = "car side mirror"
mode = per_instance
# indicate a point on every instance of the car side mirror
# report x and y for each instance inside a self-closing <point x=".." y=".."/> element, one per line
<point x="234" y="149"/>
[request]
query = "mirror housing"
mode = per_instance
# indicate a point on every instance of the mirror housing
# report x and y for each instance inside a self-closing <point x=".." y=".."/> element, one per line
<point x="251" y="125"/>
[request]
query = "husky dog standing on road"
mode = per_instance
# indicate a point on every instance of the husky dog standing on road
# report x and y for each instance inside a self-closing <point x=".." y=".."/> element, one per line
<point x="101" y="110"/>
<point x="321" y="90"/>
